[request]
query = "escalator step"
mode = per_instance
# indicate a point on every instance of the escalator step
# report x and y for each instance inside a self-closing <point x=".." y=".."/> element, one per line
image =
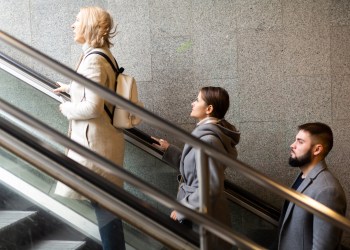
<point x="8" y="218"/>
<point x="58" y="245"/>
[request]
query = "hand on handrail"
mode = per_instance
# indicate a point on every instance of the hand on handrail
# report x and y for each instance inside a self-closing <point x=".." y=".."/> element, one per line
<point x="161" y="145"/>
<point x="62" y="87"/>
<point x="173" y="215"/>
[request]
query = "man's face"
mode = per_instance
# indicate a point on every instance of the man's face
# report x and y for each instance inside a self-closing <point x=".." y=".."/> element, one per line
<point x="301" y="150"/>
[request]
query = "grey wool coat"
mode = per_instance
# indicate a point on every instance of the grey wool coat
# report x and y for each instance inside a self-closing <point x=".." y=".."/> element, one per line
<point x="90" y="125"/>
<point x="301" y="229"/>
<point x="219" y="137"/>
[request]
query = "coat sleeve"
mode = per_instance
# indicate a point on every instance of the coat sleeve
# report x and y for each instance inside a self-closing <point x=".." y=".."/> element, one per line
<point x="216" y="178"/>
<point x="172" y="156"/>
<point x="326" y="235"/>
<point x="92" y="105"/>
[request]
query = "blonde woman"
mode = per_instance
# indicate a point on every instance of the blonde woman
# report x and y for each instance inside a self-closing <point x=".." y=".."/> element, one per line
<point x="90" y="124"/>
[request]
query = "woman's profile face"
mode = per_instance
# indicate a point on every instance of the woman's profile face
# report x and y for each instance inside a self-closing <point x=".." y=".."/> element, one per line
<point x="76" y="26"/>
<point x="200" y="109"/>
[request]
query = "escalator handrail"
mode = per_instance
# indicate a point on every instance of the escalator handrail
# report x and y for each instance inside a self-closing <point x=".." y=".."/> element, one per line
<point x="145" y="141"/>
<point x="252" y="203"/>
<point x="29" y="72"/>
<point x="299" y="199"/>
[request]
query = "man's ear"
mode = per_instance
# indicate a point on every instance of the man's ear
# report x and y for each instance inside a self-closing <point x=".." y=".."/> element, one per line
<point x="318" y="149"/>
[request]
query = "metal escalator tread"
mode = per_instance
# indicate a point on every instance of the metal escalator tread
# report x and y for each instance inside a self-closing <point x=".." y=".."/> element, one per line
<point x="58" y="245"/>
<point x="9" y="218"/>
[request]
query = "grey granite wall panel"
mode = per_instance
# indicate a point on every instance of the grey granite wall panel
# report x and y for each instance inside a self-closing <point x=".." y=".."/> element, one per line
<point x="170" y="18"/>
<point x="341" y="97"/>
<point x="213" y="16"/>
<point x="173" y="93"/>
<point x="133" y="42"/>
<point x="308" y="98"/>
<point x="340" y="155"/>
<point x="340" y="12"/>
<point x="259" y="14"/>
<point x="15" y="20"/>
<point x="255" y="137"/>
<point x="306" y="13"/>
<point x="261" y="98"/>
<point x="215" y="56"/>
<point x="340" y="50"/>
<point x="260" y="68"/>
<point x="169" y="53"/>
<point x="214" y="39"/>
<point x="307" y="50"/>
<point x="260" y="53"/>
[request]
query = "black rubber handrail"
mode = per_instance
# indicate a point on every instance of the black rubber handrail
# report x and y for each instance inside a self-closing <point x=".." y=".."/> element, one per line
<point x="252" y="200"/>
<point x="48" y="82"/>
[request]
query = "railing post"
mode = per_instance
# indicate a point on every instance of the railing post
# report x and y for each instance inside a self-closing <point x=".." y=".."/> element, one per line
<point x="203" y="181"/>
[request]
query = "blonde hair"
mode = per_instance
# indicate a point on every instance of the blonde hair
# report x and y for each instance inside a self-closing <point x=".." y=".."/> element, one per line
<point x="97" y="27"/>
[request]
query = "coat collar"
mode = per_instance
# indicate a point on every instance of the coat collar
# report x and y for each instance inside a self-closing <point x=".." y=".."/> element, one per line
<point x="207" y="120"/>
<point x="312" y="175"/>
<point x="86" y="48"/>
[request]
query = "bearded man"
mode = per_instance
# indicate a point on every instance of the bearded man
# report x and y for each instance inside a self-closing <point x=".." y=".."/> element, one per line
<point x="300" y="229"/>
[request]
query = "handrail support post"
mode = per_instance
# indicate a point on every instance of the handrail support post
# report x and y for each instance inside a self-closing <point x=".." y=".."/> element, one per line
<point x="203" y="182"/>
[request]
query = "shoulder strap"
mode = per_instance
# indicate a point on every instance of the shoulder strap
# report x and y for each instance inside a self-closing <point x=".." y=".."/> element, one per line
<point x="117" y="72"/>
<point x="116" y="69"/>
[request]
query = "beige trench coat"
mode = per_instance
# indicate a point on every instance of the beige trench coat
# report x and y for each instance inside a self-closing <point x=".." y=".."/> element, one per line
<point x="90" y="125"/>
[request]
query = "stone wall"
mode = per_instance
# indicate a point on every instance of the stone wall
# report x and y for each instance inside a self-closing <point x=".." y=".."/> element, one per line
<point x="283" y="62"/>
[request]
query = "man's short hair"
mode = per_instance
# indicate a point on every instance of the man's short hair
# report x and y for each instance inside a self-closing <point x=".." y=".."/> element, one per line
<point x="320" y="133"/>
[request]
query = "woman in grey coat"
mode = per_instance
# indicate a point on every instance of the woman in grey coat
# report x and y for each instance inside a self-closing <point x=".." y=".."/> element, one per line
<point x="89" y="124"/>
<point x="209" y="109"/>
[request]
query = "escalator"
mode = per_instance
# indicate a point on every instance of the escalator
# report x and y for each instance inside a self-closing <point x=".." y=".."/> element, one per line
<point x="249" y="215"/>
<point x="145" y="201"/>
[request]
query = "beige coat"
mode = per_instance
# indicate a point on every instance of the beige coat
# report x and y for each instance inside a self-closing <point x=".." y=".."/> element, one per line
<point x="90" y="125"/>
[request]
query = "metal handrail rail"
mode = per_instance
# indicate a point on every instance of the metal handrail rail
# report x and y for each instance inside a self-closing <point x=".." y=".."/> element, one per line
<point x="137" y="137"/>
<point x="301" y="200"/>
<point x="46" y="86"/>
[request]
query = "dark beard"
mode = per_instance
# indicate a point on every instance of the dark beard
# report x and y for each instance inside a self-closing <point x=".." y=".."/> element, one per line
<point x="301" y="161"/>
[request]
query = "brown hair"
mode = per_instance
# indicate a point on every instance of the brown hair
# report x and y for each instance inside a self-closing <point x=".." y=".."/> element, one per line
<point x="218" y="98"/>
<point x="320" y="133"/>
<point x="97" y="27"/>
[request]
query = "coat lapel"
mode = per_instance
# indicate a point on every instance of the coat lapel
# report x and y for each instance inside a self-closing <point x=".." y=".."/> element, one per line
<point x="305" y="184"/>
<point x="291" y="205"/>
<point x="186" y="150"/>
<point x="80" y="89"/>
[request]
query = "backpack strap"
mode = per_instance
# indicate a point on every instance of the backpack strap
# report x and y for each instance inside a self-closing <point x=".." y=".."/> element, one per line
<point x="117" y="71"/>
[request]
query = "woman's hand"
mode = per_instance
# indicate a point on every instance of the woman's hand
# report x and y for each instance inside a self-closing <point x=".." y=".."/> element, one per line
<point x="173" y="215"/>
<point x="163" y="144"/>
<point x="62" y="88"/>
